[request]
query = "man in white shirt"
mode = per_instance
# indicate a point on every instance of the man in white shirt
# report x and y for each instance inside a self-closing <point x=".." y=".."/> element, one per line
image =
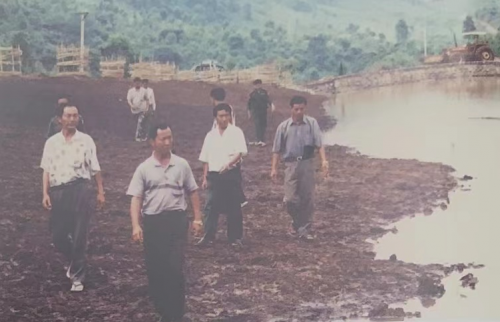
<point x="69" y="162"/>
<point x="137" y="98"/>
<point x="222" y="150"/>
<point x="218" y="96"/>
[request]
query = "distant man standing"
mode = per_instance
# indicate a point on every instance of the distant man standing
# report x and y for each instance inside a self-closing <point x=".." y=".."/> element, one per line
<point x="295" y="142"/>
<point x="55" y="125"/>
<point x="159" y="189"/>
<point x="137" y="98"/>
<point x="258" y="104"/>
<point x="218" y="96"/>
<point x="222" y="150"/>
<point x="150" y="95"/>
<point x="69" y="162"/>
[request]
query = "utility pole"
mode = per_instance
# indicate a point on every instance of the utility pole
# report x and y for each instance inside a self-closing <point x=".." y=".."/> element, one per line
<point x="425" y="37"/>
<point x="83" y="15"/>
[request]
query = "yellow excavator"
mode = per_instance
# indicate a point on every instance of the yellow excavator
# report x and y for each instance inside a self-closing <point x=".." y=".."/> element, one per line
<point x="476" y="49"/>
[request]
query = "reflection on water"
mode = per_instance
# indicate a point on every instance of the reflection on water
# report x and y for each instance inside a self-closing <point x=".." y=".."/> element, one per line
<point x="453" y="123"/>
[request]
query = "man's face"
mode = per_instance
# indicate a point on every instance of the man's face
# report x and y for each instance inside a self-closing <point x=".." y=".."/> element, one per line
<point x="137" y="85"/>
<point x="162" y="144"/>
<point x="223" y="118"/>
<point x="298" y="111"/>
<point x="145" y="84"/>
<point x="70" y="117"/>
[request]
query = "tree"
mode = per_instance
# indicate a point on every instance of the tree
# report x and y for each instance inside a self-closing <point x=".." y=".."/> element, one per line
<point x="402" y="32"/>
<point x="469" y="25"/>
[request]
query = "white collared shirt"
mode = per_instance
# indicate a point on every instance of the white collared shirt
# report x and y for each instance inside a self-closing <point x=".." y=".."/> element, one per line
<point x="151" y="97"/>
<point x="218" y="150"/>
<point x="69" y="161"/>
<point x="137" y="98"/>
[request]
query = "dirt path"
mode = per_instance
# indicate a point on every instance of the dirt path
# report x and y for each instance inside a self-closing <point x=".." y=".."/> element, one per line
<point x="274" y="276"/>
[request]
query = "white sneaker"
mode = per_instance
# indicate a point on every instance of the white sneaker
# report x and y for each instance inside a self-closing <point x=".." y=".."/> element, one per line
<point x="262" y="144"/>
<point x="77" y="287"/>
<point x="253" y="143"/>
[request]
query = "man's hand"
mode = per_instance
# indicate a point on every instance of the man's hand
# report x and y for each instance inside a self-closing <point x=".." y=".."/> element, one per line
<point x="325" y="168"/>
<point x="273" y="108"/>
<point x="101" y="200"/>
<point x="137" y="234"/>
<point x="225" y="168"/>
<point x="204" y="184"/>
<point x="274" y="175"/>
<point x="197" y="227"/>
<point x="249" y="115"/>
<point x="46" y="202"/>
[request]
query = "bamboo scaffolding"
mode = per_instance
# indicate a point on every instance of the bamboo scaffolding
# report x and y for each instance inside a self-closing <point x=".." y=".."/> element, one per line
<point x="69" y="60"/>
<point x="10" y="61"/>
<point x="113" y="67"/>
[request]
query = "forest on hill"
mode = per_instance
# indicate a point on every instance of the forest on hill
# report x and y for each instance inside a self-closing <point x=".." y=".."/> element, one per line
<point x="312" y="38"/>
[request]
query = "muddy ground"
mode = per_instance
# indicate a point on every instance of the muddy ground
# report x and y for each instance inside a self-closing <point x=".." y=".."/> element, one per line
<point x="273" y="278"/>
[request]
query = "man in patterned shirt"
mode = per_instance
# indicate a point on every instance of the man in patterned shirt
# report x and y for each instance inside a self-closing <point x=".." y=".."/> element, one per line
<point x="69" y="162"/>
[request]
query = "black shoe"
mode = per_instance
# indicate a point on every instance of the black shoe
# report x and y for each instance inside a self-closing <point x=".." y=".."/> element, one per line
<point x="204" y="242"/>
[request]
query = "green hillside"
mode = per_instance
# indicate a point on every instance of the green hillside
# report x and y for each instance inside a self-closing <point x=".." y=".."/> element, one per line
<point x="314" y="38"/>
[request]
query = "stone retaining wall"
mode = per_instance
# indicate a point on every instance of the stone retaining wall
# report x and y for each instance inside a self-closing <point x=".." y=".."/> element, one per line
<point x="403" y="76"/>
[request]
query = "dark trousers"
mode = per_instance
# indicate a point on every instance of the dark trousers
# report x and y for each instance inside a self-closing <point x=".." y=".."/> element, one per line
<point x="225" y="199"/>
<point x="260" y="122"/>
<point x="164" y="243"/>
<point x="72" y="208"/>
<point x="209" y="195"/>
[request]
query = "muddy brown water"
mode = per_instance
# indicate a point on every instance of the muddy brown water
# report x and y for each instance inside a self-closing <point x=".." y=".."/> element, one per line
<point x="455" y="123"/>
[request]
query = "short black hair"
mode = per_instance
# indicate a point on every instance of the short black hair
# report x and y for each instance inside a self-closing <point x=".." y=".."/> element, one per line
<point x="144" y="80"/>
<point x="218" y="94"/>
<point x="137" y="79"/>
<point x="64" y="97"/>
<point x="153" y="130"/>
<point x="298" y="100"/>
<point x="58" y="105"/>
<point x="222" y="107"/>
<point x="257" y="82"/>
<point x="61" y="107"/>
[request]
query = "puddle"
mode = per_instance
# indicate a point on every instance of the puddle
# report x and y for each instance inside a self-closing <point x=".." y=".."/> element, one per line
<point x="456" y="123"/>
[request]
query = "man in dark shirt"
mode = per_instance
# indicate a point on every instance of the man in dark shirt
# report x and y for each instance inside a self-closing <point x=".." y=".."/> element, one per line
<point x="258" y="104"/>
<point x="54" y="124"/>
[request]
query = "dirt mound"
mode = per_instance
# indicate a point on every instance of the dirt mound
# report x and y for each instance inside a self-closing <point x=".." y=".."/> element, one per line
<point x="273" y="276"/>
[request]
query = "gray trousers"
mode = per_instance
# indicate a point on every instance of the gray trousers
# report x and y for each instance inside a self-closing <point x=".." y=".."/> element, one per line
<point x="299" y="192"/>
<point x="72" y="208"/>
<point x="144" y="121"/>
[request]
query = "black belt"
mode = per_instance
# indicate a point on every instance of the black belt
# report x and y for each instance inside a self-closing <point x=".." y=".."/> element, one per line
<point x="166" y="213"/>
<point x="69" y="184"/>
<point x="297" y="159"/>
